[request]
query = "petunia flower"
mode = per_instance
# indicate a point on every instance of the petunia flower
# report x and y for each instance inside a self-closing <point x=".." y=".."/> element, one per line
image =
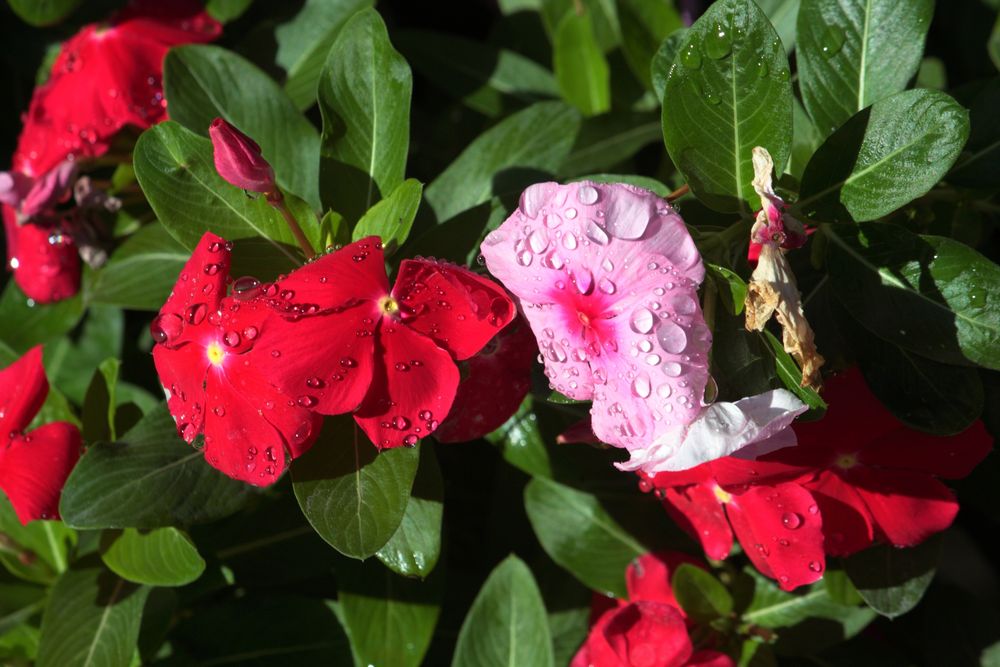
<point x="207" y="354"/>
<point x="34" y="464"/>
<point x="607" y="276"/>
<point x="876" y="479"/>
<point x="106" y="77"/>
<point x="344" y="341"/>
<point x="772" y="289"/>
<point x="494" y="384"/>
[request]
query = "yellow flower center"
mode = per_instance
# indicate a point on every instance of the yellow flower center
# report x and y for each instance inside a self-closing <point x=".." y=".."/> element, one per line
<point x="215" y="353"/>
<point x="847" y="461"/>
<point x="722" y="496"/>
<point x="388" y="305"/>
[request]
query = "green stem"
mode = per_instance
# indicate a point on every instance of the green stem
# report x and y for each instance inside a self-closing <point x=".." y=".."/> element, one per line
<point x="276" y="200"/>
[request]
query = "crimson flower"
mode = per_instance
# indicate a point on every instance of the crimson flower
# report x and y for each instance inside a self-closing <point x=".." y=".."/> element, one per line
<point x="649" y="629"/>
<point x="343" y="341"/>
<point x="45" y="261"/>
<point x="34" y="465"/>
<point x="238" y="158"/>
<point x="105" y="77"/>
<point x="207" y="356"/>
<point x="494" y="385"/>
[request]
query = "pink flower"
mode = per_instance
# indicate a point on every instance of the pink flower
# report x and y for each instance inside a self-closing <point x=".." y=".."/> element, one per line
<point x="238" y="158"/>
<point x="607" y="276"/>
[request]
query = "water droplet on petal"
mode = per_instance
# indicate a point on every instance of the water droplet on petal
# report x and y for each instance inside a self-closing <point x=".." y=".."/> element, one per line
<point x="641" y="386"/>
<point x="683" y="304"/>
<point x="642" y="320"/>
<point x="569" y="241"/>
<point x="231" y="338"/>
<point x="597" y="234"/>
<point x="673" y="369"/>
<point x="815" y="566"/>
<point x="306" y="401"/>
<point x="607" y="286"/>
<point x="587" y="194"/>
<point x="791" y="520"/>
<point x="166" y="327"/>
<point x="538" y="240"/>
<point x="196" y="313"/>
<point x="672" y="337"/>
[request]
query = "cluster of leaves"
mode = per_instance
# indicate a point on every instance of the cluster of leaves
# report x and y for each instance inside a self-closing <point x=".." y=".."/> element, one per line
<point x="161" y="559"/>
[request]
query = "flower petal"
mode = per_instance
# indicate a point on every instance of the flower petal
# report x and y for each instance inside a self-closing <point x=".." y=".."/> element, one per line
<point x="648" y="577"/>
<point x="193" y="303"/>
<point x="779" y="533"/>
<point x="23" y="388"/>
<point x="48" y="263"/>
<point x="847" y="524"/>
<point x="412" y="390"/>
<point x="699" y="512"/>
<point x="641" y="634"/>
<point x="460" y="310"/>
<point x="906" y="507"/>
<point x="182" y="375"/>
<point x="34" y="468"/>
<point x="952" y="457"/>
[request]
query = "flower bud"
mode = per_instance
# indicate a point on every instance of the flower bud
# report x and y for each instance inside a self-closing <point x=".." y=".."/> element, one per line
<point x="238" y="159"/>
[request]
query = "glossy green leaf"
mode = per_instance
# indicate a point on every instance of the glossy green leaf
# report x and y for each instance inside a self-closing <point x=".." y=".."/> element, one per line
<point x="414" y="549"/>
<point x="36" y="323"/>
<point x="891" y="580"/>
<point x="303" y="44"/>
<point x="392" y="218"/>
<point x="389" y="619"/>
<point x="884" y="157"/>
<point x="580" y="66"/>
<point x="198" y="81"/>
<point x="604" y="15"/>
<point x="148" y="479"/>
<point x="926" y="294"/>
<point x="521" y="441"/>
<point x="728" y="93"/>
<point x="852" y="53"/>
<point x="701" y="596"/>
<point x="225" y="11"/>
<point x="158" y="557"/>
<point x="37" y="552"/>
<point x="505" y="159"/>
<point x="141" y="272"/>
<point x="484" y="77"/>
<point x="663" y="60"/>
<point x="354" y="496"/>
<point x="790" y="373"/>
<point x="645" y="24"/>
<point x="732" y="288"/>
<point x="580" y="535"/>
<point x="771" y="607"/>
<point x="92" y="619"/>
<point x="175" y="169"/>
<point x="506" y="624"/>
<point x="70" y="363"/>
<point x="782" y="14"/>
<point x="43" y="12"/>
<point x="364" y="96"/>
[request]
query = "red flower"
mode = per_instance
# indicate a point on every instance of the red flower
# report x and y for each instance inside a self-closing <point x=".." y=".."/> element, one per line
<point x="495" y="384"/>
<point x="105" y="77"/>
<point x="876" y="477"/>
<point x="238" y="159"/>
<point x="650" y="629"/>
<point x="208" y="358"/>
<point x="34" y="465"/>
<point x="45" y="261"/>
<point x="343" y="341"/>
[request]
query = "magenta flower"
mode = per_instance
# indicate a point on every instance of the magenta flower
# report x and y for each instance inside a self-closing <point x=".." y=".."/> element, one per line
<point x="238" y="158"/>
<point x="607" y="276"/>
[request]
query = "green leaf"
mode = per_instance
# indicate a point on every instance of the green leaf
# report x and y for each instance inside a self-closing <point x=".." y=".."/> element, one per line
<point x="36" y="552"/>
<point x="728" y="93"/>
<point x="70" y="363"/>
<point x="159" y="557"/>
<point x="41" y="13"/>
<point x="389" y="619"/>
<point x="852" y="53"/>
<point x="148" y="479"/>
<point x="36" y="323"/>
<point x="700" y="594"/>
<point x="414" y="548"/>
<point x="644" y="182"/>
<point x="926" y="294"/>
<point x="175" y="169"/>
<point x="608" y="140"/>
<point x="645" y="25"/>
<point x="198" y="81"/>
<point x="732" y="288"/>
<point x="304" y="42"/>
<point x="353" y="495"/>
<point x="663" y="60"/>
<point x="892" y="580"/>
<point x="581" y="69"/>
<point x="141" y="272"/>
<point x="364" y="96"/>
<point x="92" y="619"/>
<point x="884" y="157"/>
<point x="484" y="77"/>
<point x="791" y="374"/>
<point x="506" y="624"/>
<point x="505" y="159"/>
<point x="782" y="14"/>
<point x="772" y="607"/>
<point x="522" y="443"/>
<point x="805" y="140"/>
<point x="603" y="12"/>
<point x="225" y="11"/>
<point x="99" y="403"/>
<point x="392" y="218"/>
<point x="580" y="535"/>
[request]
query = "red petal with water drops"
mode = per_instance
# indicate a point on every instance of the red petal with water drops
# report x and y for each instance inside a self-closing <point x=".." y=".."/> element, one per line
<point x="847" y="526"/>
<point x="497" y="380"/>
<point x="328" y="358"/>
<point x="953" y="457"/>
<point x="460" y="310"/>
<point x="34" y="468"/>
<point x="906" y="507"/>
<point x="731" y="471"/>
<point x="698" y="511"/>
<point x="23" y="389"/>
<point x="191" y="308"/>
<point x="337" y="280"/>
<point x="779" y="534"/>
<point x="48" y="263"/>
<point x="412" y="389"/>
<point x="640" y="634"/>
<point x="648" y="577"/>
<point x="182" y="376"/>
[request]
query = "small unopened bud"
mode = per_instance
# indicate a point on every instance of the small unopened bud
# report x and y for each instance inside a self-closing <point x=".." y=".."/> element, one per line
<point x="238" y="159"/>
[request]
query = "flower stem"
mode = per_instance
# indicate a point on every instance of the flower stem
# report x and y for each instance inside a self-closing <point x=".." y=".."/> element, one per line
<point x="277" y="200"/>
<point x="678" y="193"/>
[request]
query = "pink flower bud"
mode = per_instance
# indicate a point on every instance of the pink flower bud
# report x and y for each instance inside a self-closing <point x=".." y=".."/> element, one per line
<point x="238" y="159"/>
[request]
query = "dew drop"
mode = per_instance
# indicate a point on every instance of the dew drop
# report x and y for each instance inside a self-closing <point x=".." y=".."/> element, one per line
<point x="246" y="288"/>
<point x="791" y="520"/>
<point x="250" y="333"/>
<point x="642" y="320"/>
<point x="538" y="240"/>
<point x="815" y="566"/>
<point x="347" y="362"/>
<point x="691" y="57"/>
<point x="231" y="338"/>
<point x="306" y="401"/>
<point x="641" y="386"/>
<point x="718" y="43"/>
<point x="166" y="327"/>
<point x="597" y="234"/>
<point x="672" y="369"/>
<point x="831" y="41"/>
<point x="587" y="194"/>
<point x="607" y="286"/>
<point x="569" y="241"/>
<point x="672" y="337"/>
<point x="410" y="440"/>
<point x="196" y="313"/>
